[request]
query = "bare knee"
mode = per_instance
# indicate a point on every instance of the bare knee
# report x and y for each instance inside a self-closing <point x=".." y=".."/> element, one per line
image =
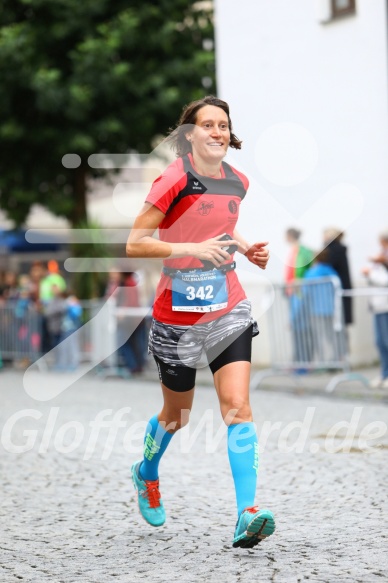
<point x="236" y="411"/>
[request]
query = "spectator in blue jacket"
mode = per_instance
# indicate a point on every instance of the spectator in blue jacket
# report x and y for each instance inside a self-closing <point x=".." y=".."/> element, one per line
<point x="69" y="347"/>
<point x="324" y="307"/>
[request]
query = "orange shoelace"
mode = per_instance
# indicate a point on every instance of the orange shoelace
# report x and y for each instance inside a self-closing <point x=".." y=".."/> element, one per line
<point x="152" y="493"/>
<point x="252" y="509"/>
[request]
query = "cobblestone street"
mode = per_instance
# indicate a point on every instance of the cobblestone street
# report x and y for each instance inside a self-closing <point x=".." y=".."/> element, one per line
<point x="69" y="512"/>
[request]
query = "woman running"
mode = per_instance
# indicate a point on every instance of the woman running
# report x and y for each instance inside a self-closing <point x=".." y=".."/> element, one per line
<point x="200" y="305"/>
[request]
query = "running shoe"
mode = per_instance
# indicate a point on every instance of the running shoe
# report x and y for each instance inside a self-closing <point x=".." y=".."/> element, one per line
<point x="253" y="526"/>
<point x="148" y="496"/>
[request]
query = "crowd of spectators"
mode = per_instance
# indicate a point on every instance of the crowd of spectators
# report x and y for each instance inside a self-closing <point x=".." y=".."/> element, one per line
<point x="317" y="333"/>
<point x="42" y="313"/>
<point x="39" y="314"/>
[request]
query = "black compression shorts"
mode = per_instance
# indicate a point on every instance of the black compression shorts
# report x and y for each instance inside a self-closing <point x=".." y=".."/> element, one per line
<point x="182" y="378"/>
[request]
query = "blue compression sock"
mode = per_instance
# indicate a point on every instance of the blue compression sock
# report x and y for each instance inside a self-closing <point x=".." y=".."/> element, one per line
<point x="156" y="441"/>
<point x="243" y="452"/>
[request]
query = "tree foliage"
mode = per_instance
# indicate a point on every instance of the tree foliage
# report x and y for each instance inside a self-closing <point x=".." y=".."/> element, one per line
<point x="87" y="77"/>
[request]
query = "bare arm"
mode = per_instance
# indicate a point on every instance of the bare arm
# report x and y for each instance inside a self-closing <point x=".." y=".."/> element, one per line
<point x="243" y="246"/>
<point x="140" y="241"/>
<point x="257" y="253"/>
<point x="142" y="244"/>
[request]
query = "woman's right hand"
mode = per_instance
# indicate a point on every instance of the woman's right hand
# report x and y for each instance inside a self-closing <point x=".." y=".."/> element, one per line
<point x="212" y="250"/>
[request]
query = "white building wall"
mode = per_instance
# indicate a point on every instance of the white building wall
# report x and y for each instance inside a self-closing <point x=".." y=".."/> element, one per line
<point x="309" y="101"/>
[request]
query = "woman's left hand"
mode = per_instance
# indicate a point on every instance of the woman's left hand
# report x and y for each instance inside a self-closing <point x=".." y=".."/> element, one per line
<point x="258" y="254"/>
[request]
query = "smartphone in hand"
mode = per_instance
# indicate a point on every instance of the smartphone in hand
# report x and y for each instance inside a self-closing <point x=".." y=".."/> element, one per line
<point x="208" y="265"/>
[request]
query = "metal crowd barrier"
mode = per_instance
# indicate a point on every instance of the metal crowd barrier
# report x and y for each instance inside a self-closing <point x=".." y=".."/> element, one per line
<point x="105" y="327"/>
<point x="20" y="331"/>
<point x="307" y="332"/>
<point x="364" y="295"/>
<point x="306" y="329"/>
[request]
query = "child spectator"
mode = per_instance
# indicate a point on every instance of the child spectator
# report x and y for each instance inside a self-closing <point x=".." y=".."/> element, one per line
<point x="69" y="346"/>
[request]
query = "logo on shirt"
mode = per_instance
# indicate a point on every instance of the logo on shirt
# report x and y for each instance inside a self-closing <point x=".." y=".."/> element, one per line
<point x="205" y="207"/>
<point x="232" y="207"/>
<point x="195" y="185"/>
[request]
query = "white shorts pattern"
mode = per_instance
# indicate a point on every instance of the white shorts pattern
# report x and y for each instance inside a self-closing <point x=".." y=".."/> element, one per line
<point x="184" y="345"/>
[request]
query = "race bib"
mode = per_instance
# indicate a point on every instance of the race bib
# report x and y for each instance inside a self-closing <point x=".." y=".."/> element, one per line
<point x="199" y="291"/>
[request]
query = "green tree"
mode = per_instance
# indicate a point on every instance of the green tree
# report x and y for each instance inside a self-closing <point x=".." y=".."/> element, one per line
<point x="87" y="77"/>
<point x="90" y="284"/>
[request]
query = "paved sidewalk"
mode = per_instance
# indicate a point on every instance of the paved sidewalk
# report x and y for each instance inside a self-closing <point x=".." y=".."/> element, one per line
<point x="352" y="385"/>
<point x="68" y="510"/>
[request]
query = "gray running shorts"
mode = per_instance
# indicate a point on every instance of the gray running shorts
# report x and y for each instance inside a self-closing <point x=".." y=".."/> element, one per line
<point x="184" y="345"/>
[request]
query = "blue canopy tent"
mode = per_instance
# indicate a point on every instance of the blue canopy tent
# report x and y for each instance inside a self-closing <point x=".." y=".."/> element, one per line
<point x="14" y="241"/>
